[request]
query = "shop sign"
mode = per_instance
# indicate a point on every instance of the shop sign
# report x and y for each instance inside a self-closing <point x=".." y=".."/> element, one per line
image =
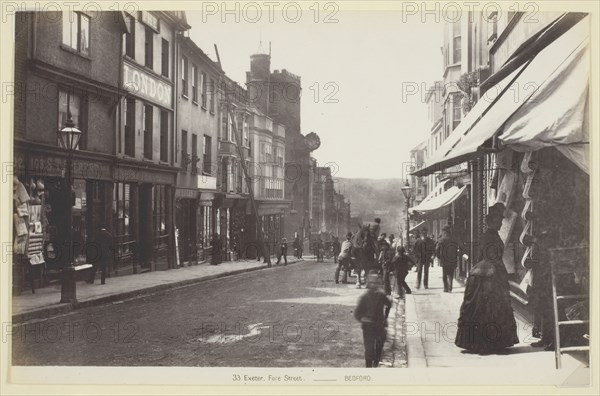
<point x="150" y="20"/>
<point x="44" y="165"/>
<point x="142" y="175"/>
<point x="143" y="84"/>
<point x="207" y="182"/>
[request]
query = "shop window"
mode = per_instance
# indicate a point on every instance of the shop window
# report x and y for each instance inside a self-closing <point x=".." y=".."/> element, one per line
<point x="207" y="154"/>
<point x="76" y="31"/>
<point x="122" y="224"/>
<point x="149" y="48"/>
<point x="164" y="58"/>
<point x="70" y="103"/>
<point x="164" y="136"/>
<point x="159" y="206"/>
<point x="148" y="120"/>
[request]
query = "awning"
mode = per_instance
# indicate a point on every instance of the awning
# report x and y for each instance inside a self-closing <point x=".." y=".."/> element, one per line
<point x="437" y="190"/>
<point x="417" y="226"/>
<point x="489" y="116"/>
<point x="444" y="199"/>
<point x="447" y="154"/>
<point x="557" y="113"/>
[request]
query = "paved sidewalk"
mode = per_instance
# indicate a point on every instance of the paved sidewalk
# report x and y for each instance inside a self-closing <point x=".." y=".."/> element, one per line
<point x="45" y="302"/>
<point x="431" y="317"/>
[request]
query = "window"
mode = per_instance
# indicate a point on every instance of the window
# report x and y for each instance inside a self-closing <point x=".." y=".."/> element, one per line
<point x="185" y="158"/>
<point x="148" y="120"/>
<point x="195" y="158"/>
<point x="456" y="111"/>
<point x="212" y="90"/>
<point x="69" y="103"/>
<point x="246" y="131"/>
<point x="76" y="31"/>
<point x="130" y="38"/>
<point x="194" y="83"/>
<point x="164" y="58"/>
<point x="456" y="42"/>
<point x="203" y="93"/>
<point x="224" y="115"/>
<point x="230" y="128"/>
<point x="130" y="127"/>
<point x="164" y="136"/>
<point x="206" y="154"/>
<point x="149" y="46"/>
<point x="184" y="76"/>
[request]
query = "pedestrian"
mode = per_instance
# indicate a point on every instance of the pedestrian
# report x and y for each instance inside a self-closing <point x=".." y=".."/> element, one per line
<point x="336" y="249"/>
<point x="282" y="252"/>
<point x="297" y="247"/>
<point x="375" y="228"/>
<point x="372" y="312"/>
<point x="424" y="249"/>
<point x="344" y="259"/>
<point x="400" y="264"/>
<point x="392" y="242"/>
<point x="447" y="252"/>
<point x="105" y="249"/>
<point x="320" y="250"/>
<point x="383" y="259"/>
<point x="487" y="323"/>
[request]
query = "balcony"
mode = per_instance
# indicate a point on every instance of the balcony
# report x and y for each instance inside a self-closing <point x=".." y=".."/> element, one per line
<point x="194" y="164"/>
<point x="185" y="160"/>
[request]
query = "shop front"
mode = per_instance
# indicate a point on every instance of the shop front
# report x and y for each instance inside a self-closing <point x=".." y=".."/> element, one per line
<point x="41" y="206"/>
<point x="142" y="211"/>
<point x="186" y="217"/>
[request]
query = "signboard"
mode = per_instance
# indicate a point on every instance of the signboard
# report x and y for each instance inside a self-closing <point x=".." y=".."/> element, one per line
<point x="147" y="86"/>
<point x="149" y="20"/>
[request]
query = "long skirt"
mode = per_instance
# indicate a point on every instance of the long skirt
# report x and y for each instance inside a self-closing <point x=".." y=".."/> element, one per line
<point x="487" y="323"/>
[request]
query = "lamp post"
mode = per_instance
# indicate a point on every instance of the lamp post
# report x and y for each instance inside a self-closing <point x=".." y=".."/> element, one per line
<point x="407" y="192"/>
<point x="68" y="138"/>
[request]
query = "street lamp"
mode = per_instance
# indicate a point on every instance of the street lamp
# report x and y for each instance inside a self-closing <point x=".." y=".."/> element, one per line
<point x="407" y="192"/>
<point x="68" y="138"/>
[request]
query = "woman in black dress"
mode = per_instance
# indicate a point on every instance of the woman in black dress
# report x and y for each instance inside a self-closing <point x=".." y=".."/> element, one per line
<point x="487" y="323"/>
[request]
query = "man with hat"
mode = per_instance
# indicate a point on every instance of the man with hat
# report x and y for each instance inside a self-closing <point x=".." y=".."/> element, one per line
<point x="447" y="251"/>
<point x="424" y="249"/>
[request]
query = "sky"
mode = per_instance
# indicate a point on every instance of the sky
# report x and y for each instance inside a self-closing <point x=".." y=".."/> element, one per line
<point x="356" y="72"/>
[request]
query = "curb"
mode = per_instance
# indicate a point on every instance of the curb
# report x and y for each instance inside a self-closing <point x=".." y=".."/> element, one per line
<point x="395" y="351"/>
<point x="47" y="312"/>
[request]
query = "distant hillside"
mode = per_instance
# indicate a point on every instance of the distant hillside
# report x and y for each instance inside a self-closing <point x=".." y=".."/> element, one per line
<point x="376" y="198"/>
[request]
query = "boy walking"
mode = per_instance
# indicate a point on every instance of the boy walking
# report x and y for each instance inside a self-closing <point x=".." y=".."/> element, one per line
<point x="372" y="311"/>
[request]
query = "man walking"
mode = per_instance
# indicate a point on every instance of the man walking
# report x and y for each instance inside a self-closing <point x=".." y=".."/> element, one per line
<point x="372" y="312"/>
<point x="424" y="249"/>
<point x="383" y="258"/>
<point x="105" y="246"/>
<point x="336" y="248"/>
<point x="344" y="259"/>
<point x="282" y="252"/>
<point x="447" y="252"/>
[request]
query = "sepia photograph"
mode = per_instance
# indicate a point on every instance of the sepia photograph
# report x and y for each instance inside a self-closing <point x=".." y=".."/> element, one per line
<point x="299" y="193"/>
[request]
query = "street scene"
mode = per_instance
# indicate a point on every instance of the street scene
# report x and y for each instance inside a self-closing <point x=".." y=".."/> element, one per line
<point x="345" y="188"/>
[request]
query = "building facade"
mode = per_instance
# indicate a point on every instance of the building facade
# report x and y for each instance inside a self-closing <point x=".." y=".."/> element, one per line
<point x="65" y="70"/>
<point x="146" y="168"/>
<point x="196" y="153"/>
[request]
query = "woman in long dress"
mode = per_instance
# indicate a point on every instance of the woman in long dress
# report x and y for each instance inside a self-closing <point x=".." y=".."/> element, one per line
<point x="487" y="323"/>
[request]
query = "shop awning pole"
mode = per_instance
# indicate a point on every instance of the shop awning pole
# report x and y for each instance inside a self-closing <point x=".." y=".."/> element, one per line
<point x="238" y="145"/>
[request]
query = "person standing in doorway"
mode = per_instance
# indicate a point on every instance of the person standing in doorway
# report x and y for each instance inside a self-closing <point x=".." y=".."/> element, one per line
<point x="105" y="247"/>
<point x="424" y="249"/>
<point x="372" y="312"/>
<point x="447" y="252"/>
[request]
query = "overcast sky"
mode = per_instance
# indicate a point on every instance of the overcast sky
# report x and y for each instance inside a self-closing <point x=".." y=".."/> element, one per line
<point x="367" y="57"/>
